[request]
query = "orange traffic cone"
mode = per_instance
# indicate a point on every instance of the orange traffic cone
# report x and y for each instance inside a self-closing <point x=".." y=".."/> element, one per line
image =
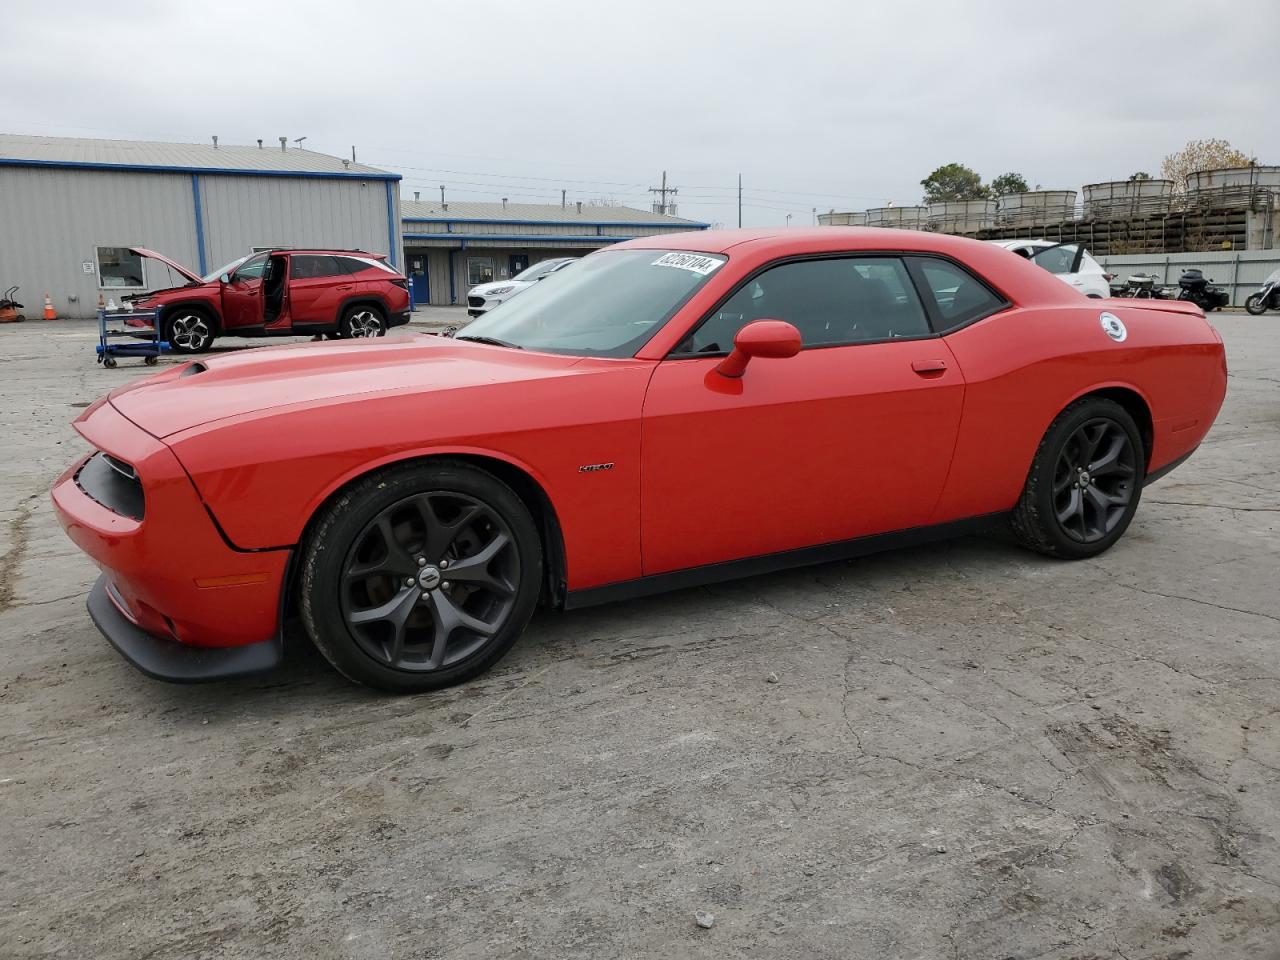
<point x="49" y="312"/>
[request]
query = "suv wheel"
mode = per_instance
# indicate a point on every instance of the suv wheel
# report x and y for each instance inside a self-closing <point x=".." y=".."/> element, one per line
<point x="188" y="331"/>
<point x="362" y="320"/>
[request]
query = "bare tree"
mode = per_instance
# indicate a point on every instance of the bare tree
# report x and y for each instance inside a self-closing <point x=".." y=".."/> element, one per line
<point x="1201" y="155"/>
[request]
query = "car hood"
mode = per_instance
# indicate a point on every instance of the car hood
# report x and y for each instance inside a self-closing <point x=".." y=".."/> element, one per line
<point x="172" y="264"/>
<point x="484" y="289"/>
<point x="268" y="379"/>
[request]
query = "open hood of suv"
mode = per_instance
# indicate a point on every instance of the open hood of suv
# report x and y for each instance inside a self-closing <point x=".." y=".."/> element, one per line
<point x="171" y="264"/>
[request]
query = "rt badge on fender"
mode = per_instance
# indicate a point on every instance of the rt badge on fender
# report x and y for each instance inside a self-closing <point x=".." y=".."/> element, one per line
<point x="1113" y="327"/>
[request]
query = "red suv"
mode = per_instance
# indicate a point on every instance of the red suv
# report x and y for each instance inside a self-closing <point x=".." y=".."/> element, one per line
<point x="346" y="293"/>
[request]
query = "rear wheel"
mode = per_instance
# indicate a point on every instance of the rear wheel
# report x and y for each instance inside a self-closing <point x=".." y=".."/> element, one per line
<point x="1256" y="305"/>
<point x="360" y="321"/>
<point x="1085" y="482"/>
<point x="188" y="331"/>
<point x="420" y="576"/>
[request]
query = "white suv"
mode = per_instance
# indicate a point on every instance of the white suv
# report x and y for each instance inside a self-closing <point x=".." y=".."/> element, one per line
<point x="1070" y="262"/>
<point x="486" y="296"/>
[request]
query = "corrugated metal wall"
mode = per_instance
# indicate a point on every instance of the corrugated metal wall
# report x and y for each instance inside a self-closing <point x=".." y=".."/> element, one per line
<point x="52" y="221"/>
<point x="1239" y="273"/>
<point x="244" y="212"/>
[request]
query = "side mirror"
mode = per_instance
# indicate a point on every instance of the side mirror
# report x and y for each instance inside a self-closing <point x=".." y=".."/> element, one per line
<point x="760" y="338"/>
<point x="225" y="278"/>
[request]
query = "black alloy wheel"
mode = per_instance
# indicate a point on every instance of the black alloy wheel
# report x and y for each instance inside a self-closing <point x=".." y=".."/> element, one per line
<point x="420" y="576"/>
<point x="1093" y="480"/>
<point x="1085" y="482"/>
<point x="429" y="581"/>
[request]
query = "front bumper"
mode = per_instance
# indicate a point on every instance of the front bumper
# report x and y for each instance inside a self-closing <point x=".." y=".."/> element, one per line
<point x="166" y="659"/>
<point x="168" y="574"/>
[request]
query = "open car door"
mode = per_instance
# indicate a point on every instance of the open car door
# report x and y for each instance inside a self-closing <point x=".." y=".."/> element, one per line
<point x="1062" y="259"/>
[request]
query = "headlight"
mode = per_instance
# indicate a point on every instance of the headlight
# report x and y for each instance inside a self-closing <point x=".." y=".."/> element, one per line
<point x="499" y="292"/>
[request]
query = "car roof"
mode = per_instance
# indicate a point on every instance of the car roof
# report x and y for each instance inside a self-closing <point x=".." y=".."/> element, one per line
<point x="1024" y="242"/>
<point x="1019" y="279"/>
<point x="331" y="251"/>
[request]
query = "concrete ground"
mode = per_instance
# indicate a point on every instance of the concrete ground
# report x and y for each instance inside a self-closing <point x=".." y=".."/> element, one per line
<point x="959" y="751"/>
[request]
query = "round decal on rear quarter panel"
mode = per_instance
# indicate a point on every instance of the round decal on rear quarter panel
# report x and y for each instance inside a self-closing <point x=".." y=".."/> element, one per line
<point x="1113" y="327"/>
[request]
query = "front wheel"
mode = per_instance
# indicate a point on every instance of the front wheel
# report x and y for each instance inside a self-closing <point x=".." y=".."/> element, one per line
<point x="1085" y="482"/>
<point x="421" y="576"/>
<point x="188" y="332"/>
<point x="1256" y="305"/>
<point x="362" y="321"/>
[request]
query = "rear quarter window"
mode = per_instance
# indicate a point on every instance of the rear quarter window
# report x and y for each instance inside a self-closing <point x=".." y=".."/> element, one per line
<point x="958" y="296"/>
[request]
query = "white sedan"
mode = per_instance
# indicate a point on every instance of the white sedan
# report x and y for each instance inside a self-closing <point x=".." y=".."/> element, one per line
<point x="1070" y="262"/>
<point x="485" y="296"/>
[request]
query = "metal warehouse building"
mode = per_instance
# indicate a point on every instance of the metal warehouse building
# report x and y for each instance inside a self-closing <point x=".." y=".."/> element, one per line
<point x="451" y="247"/>
<point x="70" y="208"/>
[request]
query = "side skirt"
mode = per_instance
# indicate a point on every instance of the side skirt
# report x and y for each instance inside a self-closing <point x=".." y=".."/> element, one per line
<point x="1168" y="468"/>
<point x="771" y="562"/>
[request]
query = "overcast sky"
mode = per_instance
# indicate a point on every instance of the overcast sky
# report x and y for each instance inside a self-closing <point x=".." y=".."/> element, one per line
<point x="818" y="104"/>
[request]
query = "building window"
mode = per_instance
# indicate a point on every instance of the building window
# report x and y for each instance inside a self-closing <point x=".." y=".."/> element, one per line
<point x="479" y="270"/>
<point x="120" y="269"/>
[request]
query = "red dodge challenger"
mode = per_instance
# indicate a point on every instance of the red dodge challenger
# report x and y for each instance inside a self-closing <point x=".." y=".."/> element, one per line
<point x="674" y="410"/>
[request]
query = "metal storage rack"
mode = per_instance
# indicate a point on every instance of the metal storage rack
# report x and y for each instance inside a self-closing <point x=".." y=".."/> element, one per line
<point x="144" y="341"/>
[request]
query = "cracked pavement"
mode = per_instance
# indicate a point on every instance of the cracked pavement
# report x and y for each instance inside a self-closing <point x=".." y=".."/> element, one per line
<point x="969" y="751"/>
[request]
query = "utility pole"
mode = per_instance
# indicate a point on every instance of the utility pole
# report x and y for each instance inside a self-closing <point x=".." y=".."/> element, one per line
<point x="739" y="200"/>
<point x="815" y="216"/>
<point x="442" y="194"/>
<point x="788" y="219"/>
<point x="662" y="206"/>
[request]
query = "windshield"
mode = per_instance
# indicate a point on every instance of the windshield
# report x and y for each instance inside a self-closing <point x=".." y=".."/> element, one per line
<point x="1274" y="278"/>
<point x="225" y="268"/>
<point x="541" y="269"/>
<point x="606" y="306"/>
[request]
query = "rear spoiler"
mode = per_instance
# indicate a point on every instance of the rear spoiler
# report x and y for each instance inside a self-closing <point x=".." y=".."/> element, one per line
<point x="1159" y="306"/>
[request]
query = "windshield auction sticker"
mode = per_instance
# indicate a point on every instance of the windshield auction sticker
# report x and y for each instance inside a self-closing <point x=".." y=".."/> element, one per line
<point x="689" y="261"/>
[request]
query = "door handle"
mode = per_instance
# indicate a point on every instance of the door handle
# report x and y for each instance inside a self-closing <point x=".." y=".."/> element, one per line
<point x="929" y="368"/>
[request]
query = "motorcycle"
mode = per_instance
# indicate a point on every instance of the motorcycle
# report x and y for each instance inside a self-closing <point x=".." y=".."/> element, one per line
<point x="1195" y="288"/>
<point x="1142" y="287"/>
<point x="1268" y="298"/>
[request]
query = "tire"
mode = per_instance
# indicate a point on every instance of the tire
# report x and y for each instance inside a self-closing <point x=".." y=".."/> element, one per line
<point x="1074" y="515"/>
<point x="377" y="608"/>
<point x="362" y="320"/>
<point x="189" y="331"/>
<point x="1255" y="305"/>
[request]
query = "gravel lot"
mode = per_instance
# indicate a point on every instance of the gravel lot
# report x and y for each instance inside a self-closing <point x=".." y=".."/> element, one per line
<point x="959" y="751"/>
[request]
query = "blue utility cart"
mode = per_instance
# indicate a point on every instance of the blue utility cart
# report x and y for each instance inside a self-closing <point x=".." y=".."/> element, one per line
<point x="142" y="341"/>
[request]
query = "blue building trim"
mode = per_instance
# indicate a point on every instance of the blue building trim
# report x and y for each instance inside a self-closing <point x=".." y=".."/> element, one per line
<point x="391" y="223"/>
<point x="517" y="238"/>
<point x="449" y="221"/>
<point x="208" y="171"/>
<point x="195" y="201"/>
